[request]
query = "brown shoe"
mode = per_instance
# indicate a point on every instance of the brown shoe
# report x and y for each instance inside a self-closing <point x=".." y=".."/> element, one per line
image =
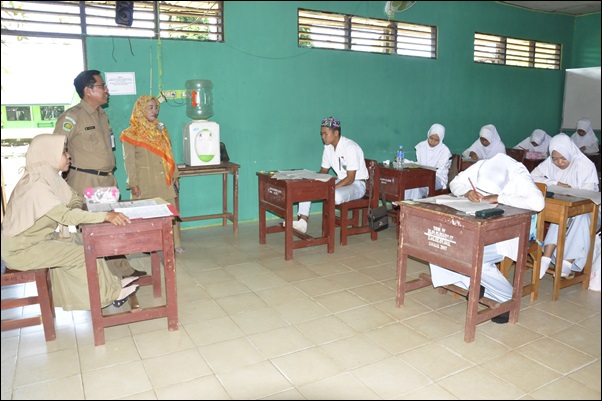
<point x="138" y="273"/>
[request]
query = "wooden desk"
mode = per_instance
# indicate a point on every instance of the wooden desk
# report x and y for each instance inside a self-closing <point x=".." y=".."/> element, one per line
<point x="394" y="182"/>
<point x="142" y="235"/>
<point x="558" y="210"/>
<point x="449" y="238"/>
<point x="224" y="169"/>
<point x="279" y="196"/>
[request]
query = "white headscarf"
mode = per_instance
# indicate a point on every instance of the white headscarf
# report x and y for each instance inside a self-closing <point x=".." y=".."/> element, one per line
<point x="41" y="187"/>
<point x="581" y="172"/>
<point x="503" y="176"/>
<point x="437" y="156"/>
<point x="540" y="137"/>
<point x="589" y="140"/>
<point x="496" y="145"/>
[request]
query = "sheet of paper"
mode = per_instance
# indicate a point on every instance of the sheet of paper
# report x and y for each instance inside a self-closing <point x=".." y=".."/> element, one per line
<point x="459" y="203"/>
<point x="107" y="207"/>
<point x="301" y="175"/>
<point x="580" y="193"/>
<point x="145" y="212"/>
<point x="411" y="164"/>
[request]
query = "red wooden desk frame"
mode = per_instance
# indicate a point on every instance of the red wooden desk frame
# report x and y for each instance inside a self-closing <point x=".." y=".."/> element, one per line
<point x="142" y="235"/>
<point x="394" y="182"/>
<point x="558" y="210"/>
<point x="279" y="196"/>
<point x="449" y="238"/>
<point x="224" y="169"/>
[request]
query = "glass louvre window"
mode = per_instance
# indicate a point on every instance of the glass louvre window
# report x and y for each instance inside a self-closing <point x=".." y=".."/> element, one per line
<point x="494" y="49"/>
<point x="318" y="29"/>
<point x="189" y="20"/>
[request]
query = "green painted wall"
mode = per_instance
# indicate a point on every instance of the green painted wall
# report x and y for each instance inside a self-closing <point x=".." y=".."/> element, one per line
<point x="586" y="50"/>
<point x="270" y="95"/>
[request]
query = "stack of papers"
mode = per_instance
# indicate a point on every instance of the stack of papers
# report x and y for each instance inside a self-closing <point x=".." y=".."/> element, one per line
<point x="301" y="175"/>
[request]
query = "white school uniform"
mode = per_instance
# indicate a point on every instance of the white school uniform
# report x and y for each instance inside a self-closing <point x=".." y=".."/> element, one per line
<point x="496" y="145"/>
<point x="541" y="138"/>
<point x="438" y="156"/>
<point x="581" y="174"/>
<point x="348" y="155"/>
<point x="511" y="181"/>
<point x="589" y="140"/>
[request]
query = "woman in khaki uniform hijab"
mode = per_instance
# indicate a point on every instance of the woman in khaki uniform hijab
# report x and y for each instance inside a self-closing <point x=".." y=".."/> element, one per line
<point x="148" y="157"/>
<point x="39" y="204"/>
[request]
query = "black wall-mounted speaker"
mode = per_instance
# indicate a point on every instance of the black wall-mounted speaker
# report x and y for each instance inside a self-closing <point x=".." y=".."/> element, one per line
<point x="124" y="12"/>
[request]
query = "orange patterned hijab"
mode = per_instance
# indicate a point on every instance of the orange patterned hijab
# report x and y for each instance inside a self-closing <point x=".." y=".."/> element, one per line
<point x="150" y="135"/>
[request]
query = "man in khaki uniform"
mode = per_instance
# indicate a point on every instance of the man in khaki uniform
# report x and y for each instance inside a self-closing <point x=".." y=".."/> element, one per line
<point x="90" y="143"/>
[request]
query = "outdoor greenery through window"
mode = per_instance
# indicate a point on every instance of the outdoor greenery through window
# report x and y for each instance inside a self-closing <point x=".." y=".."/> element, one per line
<point x="348" y="32"/>
<point x="190" y="20"/>
<point x="494" y="49"/>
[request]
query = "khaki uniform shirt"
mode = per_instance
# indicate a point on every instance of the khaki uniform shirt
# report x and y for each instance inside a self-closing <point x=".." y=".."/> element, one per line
<point x="89" y="144"/>
<point x="39" y="247"/>
<point x="145" y="170"/>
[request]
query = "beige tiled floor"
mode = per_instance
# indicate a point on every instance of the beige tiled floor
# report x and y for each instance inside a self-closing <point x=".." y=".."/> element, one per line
<point x="322" y="326"/>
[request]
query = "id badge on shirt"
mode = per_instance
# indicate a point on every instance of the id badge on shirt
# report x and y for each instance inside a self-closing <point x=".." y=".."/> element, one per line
<point x="112" y="140"/>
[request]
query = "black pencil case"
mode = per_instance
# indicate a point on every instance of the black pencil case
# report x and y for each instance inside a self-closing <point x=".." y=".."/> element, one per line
<point x="489" y="212"/>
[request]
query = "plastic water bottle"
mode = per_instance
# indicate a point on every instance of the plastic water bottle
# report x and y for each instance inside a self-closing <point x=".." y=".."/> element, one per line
<point x="399" y="158"/>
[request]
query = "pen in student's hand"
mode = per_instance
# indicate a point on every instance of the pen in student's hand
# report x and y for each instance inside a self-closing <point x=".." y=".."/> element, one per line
<point x="472" y="185"/>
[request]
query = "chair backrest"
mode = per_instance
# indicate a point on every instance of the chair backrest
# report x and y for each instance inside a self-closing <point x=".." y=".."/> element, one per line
<point x="455" y="167"/>
<point x="373" y="182"/>
<point x="516" y="154"/>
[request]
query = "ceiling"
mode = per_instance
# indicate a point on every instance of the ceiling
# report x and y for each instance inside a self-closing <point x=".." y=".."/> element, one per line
<point x="560" y="7"/>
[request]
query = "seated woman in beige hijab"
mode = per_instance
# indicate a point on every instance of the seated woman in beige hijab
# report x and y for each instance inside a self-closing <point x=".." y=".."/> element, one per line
<point x="42" y="202"/>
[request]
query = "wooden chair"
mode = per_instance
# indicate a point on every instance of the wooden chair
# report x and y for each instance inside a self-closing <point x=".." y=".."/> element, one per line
<point x="454" y="168"/>
<point x="43" y="298"/>
<point x="533" y="255"/>
<point x="516" y="154"/>
<point x="358" y="223"/>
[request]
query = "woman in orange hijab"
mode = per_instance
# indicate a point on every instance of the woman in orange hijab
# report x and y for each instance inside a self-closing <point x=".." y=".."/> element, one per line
<point x="148" y="157"/>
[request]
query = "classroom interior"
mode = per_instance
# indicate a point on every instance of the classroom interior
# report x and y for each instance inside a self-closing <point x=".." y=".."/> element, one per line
<point x="324" y="326"/>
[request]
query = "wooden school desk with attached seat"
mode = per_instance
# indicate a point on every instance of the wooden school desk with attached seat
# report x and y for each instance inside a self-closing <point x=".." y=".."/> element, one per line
<point x="452" y="239"/>
<point x="278" y="197"/>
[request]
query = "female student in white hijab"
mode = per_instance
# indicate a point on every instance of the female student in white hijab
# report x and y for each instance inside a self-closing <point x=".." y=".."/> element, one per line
<point x="488" y="145"/>
<point x="585" y="138"/>
<point x="538" y="141"/>
<point x="568" y="167"/>
<point x="500" y="179"/>
<point x="433" y="153"/>
<point x="41" y="202"/>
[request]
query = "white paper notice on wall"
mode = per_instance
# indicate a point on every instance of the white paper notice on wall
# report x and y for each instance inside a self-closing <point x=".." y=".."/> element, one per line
<point x="121" y="83"/>
<point x="581" y="97"/>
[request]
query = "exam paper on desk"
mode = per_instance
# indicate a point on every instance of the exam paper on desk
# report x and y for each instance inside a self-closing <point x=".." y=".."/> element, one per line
<point x="459" y="203"/>
<point x="301" y="175"/>
<point x="580" y="193"/>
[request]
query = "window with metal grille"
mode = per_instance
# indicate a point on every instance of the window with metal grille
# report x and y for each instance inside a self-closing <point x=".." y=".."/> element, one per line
<point x="190" y="20"/>
<point x="494" y="49"/>
<point x="318" y="29"/>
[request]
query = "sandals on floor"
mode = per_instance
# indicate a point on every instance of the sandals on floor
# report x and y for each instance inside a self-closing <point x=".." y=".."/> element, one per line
<point x="128" y="280"/>
<point x="124" y="295"/>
